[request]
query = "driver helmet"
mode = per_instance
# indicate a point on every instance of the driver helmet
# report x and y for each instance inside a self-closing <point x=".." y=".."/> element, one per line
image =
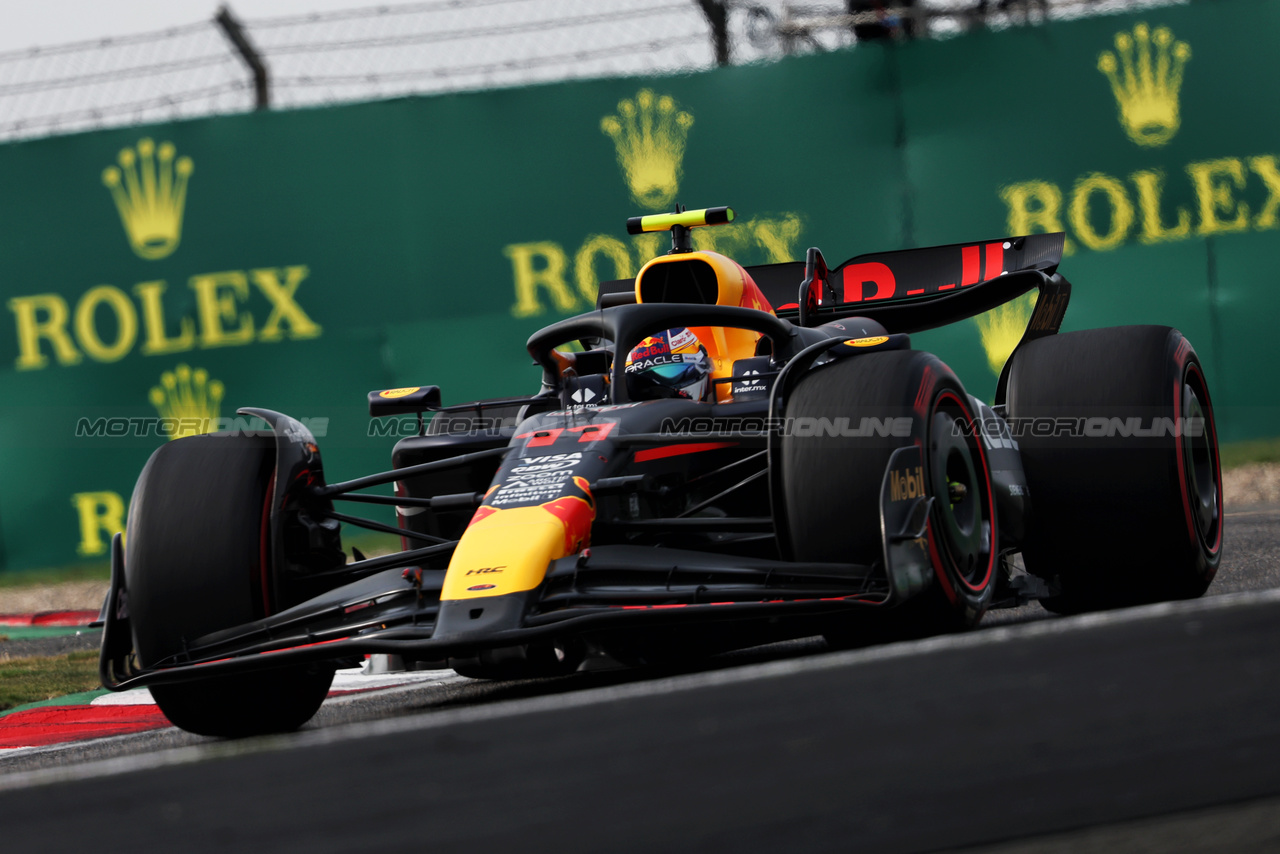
<point x="672" y="363"/>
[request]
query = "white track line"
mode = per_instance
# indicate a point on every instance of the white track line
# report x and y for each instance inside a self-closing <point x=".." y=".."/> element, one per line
<point x="1260" y="512"/>
<point x="597" y="696"/>
<point x="345" y="681"/>
<point x="132" y="697"/>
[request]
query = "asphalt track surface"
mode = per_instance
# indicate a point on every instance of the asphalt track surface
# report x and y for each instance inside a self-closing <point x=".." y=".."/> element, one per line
<point x="1152" y="729"/>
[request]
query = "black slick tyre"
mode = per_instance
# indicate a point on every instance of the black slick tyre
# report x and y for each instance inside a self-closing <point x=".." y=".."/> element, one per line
<point x="197" y="561"/>
<point x="1126" y="488"/>
<point x="831" y="484"/>
<point x="279" y="700"/>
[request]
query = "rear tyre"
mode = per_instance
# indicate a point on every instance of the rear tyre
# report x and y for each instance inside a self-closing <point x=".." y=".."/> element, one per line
<point x="831" y="484"/>
<point x="197" y="561"/>
<point x="1121" y="516"/>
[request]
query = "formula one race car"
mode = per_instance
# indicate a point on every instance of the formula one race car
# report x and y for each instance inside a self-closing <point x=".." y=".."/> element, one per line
<point x="718" y="457"/>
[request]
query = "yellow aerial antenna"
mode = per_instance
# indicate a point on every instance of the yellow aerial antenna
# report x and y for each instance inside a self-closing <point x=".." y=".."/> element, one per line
<point x="679" y="224"/>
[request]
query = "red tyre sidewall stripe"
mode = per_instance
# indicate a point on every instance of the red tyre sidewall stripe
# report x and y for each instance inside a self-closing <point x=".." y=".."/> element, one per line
<point x="1180" y="461"/>
<point x="1185" y="369"/>
<point x="1217" y="459"/>
<point x="939" y="570"/>
<point x="938" y="567"/>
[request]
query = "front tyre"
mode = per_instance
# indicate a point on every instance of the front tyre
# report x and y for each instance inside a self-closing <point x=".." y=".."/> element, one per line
<point x="245" y="704"/>
<point x="197" y="561"/>
<point x="831" y="483"/>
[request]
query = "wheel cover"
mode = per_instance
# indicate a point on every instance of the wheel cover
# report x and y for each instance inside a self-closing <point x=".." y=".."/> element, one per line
<point x="962" y="490"/>
<point x="955" y="484"/>
<point x="1200" y="463"/>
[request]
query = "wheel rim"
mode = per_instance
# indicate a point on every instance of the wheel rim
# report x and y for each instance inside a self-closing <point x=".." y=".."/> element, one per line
<point x="1200" y="462"/>
<point x="962" y="498"/>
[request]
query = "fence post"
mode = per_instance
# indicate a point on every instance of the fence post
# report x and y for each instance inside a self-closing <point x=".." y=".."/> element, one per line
<point x="240" y="40"/>
<point x="717" y="15"/>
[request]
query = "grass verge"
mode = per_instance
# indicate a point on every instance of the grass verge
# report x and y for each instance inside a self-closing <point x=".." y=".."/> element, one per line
<point x="30" y="680"/>
<point x="98" y="571"/>
<point x="1236" y="454"/>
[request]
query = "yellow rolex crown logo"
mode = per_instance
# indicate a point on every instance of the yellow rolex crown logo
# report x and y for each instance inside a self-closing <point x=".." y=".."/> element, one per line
<point x="1146" y="75"/>
<point x="188" y="401"/>
<point x="150" y="189"/>
<point x="1002" y="328"/>
<point x="649" y="134"/>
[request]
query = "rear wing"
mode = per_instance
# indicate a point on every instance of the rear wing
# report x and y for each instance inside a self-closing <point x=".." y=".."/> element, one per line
<point x="907" y="291"/>
<point x="916" y="289"/>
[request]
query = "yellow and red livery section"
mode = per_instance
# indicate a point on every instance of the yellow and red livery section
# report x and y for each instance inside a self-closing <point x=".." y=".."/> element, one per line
<point x="507" y="549"/>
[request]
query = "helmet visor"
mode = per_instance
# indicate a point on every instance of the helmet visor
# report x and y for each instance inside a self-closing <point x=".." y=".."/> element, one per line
<point x="675" y="376"/>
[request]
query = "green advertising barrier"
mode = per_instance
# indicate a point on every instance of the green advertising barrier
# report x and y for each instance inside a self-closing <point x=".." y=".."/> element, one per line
<point x="1142" y="137"/>
<point x="158" y="278"/>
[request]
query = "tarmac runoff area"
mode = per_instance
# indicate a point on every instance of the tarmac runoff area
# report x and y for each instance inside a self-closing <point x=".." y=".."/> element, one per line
<point x="348" y="683"/>
<point x="1033" y="733"/>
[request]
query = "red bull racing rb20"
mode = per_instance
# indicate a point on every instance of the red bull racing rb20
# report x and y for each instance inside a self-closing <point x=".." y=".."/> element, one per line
<point x="717" y="457"/>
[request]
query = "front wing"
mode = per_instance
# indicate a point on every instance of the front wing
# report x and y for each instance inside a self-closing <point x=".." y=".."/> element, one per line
<point x="397" y="611"/>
